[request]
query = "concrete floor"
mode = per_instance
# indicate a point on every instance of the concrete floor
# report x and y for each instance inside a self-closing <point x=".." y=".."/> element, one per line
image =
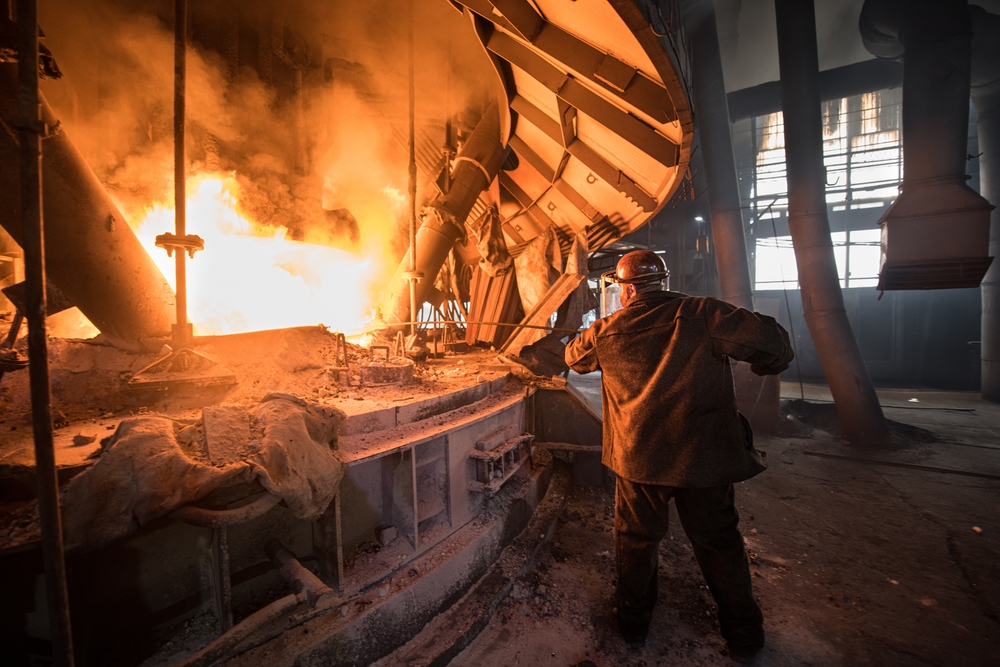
<point x="855" y="562"/>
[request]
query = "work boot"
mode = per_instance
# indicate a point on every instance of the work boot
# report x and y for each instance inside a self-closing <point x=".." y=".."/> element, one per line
<point x="633" y="630"/>
<point x="745" y="650"/>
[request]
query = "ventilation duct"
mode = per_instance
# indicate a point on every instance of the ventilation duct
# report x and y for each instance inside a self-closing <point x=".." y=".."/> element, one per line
<point x="936" y="233"/>
<point x="476" y="166"/>
<point x="986" y="100"/>
<point x="720" y="164"/>
<point x="91" y="254"/>
<point x="822" y="299"/>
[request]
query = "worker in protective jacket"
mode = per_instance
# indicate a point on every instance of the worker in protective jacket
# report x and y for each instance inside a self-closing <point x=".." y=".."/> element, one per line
<point x="671" y="430"/>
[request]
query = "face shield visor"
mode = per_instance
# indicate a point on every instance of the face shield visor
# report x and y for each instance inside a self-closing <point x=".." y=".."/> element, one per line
<point x="611" y="289"/>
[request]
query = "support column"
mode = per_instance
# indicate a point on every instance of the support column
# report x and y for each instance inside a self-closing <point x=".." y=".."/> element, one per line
<point x="822" y="301"/>
<point x="715" y="138"/>
<point x="30" y="131"/>
<point x="986" y="100"/>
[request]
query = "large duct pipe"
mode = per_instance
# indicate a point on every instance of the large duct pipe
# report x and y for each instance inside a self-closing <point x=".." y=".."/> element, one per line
<point x="712" y="116"/>
<point x="476" y="166"/>
<point x="936" y="233"/>
<point x="91" y="253"/>
<point x="985" y="90"/>
<point x="822" y="301"/>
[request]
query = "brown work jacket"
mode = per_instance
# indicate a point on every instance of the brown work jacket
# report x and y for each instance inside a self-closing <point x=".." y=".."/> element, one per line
<point x="669" y="404"/>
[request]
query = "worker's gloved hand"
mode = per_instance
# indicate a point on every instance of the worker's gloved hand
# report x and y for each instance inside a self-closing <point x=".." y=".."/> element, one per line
<point x="782" y="358"/>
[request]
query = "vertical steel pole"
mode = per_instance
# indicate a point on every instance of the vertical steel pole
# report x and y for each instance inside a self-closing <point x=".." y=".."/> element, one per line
<point x="822" y="300"/>
<point x="31" y="130"/>
<point x="182" y="329"/>
<point x="221" y="579"/>
<point x="412" y="178"/>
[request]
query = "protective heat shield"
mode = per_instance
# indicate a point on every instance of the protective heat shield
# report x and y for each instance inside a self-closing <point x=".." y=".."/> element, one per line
<point x="936" y="233"/>
<point x="91" y="253"/>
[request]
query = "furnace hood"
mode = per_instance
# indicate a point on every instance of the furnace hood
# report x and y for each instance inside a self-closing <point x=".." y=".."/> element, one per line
<point x="596" y="115"/>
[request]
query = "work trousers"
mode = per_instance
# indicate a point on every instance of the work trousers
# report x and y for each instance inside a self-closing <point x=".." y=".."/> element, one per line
<point x="710" y="520"/>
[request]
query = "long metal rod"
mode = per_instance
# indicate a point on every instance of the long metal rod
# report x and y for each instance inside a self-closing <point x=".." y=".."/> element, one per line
<point x="822" y="299"/>
<point x="30" y="136"/>
<point x="252" y="624"/>
<point x="221" y="578"/>
<point x="909" y="466"/>
<point x="182" y="331"/>
<point x="412" y="171"/>
<point x="498" y="324"/>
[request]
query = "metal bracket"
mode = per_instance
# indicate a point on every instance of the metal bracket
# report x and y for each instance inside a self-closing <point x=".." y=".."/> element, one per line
<point x="413" y="276"/>
<point x="31" y="124"/>
<point x="496" y="466"/>
<point x="338" y="370"/>
<point x="180" y="368"/>
<point x="400" y="344"/>
<point x="191" y="243"/>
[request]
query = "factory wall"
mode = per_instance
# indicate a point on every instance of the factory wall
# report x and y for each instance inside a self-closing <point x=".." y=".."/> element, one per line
<point x="918" y="339"/>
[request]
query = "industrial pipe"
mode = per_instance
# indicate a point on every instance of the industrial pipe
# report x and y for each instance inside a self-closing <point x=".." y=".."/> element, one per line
<point x="477" y="164"/>
<point x="206" y="518"/>
<point x="936" y="234"/>
<point x="219" y="521"/>
<point x="822" y="301"/>
<point x="985" y="89"/>
<point x="248" y="627"/>
<point x="308" y="588"/>
<point x="304" y="583"/>
<point x="92" y="254"/>
<point x="714" y="132"/>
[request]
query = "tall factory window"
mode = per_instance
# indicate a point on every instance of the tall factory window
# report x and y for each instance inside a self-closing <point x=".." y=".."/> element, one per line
<point x="863" y="154"/>
<point x="856" y="254"/>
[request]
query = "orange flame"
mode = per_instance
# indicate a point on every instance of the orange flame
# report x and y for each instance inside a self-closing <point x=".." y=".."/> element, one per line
<point x="251" y="277"/>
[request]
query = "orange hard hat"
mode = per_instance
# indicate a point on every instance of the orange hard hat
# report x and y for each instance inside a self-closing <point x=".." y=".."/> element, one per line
<point x="641" y="266"/>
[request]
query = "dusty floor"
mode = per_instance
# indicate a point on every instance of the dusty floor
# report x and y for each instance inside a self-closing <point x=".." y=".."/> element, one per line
<point x="853" y="563"/>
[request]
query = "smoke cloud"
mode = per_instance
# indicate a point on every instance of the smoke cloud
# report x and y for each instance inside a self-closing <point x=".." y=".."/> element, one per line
<point x="329" y="165"/>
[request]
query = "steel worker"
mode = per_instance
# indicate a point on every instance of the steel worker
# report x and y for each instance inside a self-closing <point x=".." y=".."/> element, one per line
<point x="671" y="430"/>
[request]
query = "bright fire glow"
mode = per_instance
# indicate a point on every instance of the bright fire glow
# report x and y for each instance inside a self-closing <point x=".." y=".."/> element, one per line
<point x="250" y="277"/>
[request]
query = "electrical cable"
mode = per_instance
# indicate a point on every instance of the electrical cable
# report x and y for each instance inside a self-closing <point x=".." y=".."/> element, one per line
<point x="788" y="306"/>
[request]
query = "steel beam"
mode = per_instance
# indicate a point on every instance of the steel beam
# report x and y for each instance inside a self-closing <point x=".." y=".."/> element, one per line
<point x="31" y="129"/>
<point x="620" y="79"/>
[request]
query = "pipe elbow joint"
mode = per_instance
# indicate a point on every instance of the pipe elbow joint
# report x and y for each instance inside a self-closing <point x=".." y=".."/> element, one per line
<point x="889" y="27"/>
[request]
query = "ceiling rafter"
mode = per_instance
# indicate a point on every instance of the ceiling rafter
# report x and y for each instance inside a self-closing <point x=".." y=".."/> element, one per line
<point x="622" y="123"/>
<point x="584" y="153"/>
<point x="622" y="80"/>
